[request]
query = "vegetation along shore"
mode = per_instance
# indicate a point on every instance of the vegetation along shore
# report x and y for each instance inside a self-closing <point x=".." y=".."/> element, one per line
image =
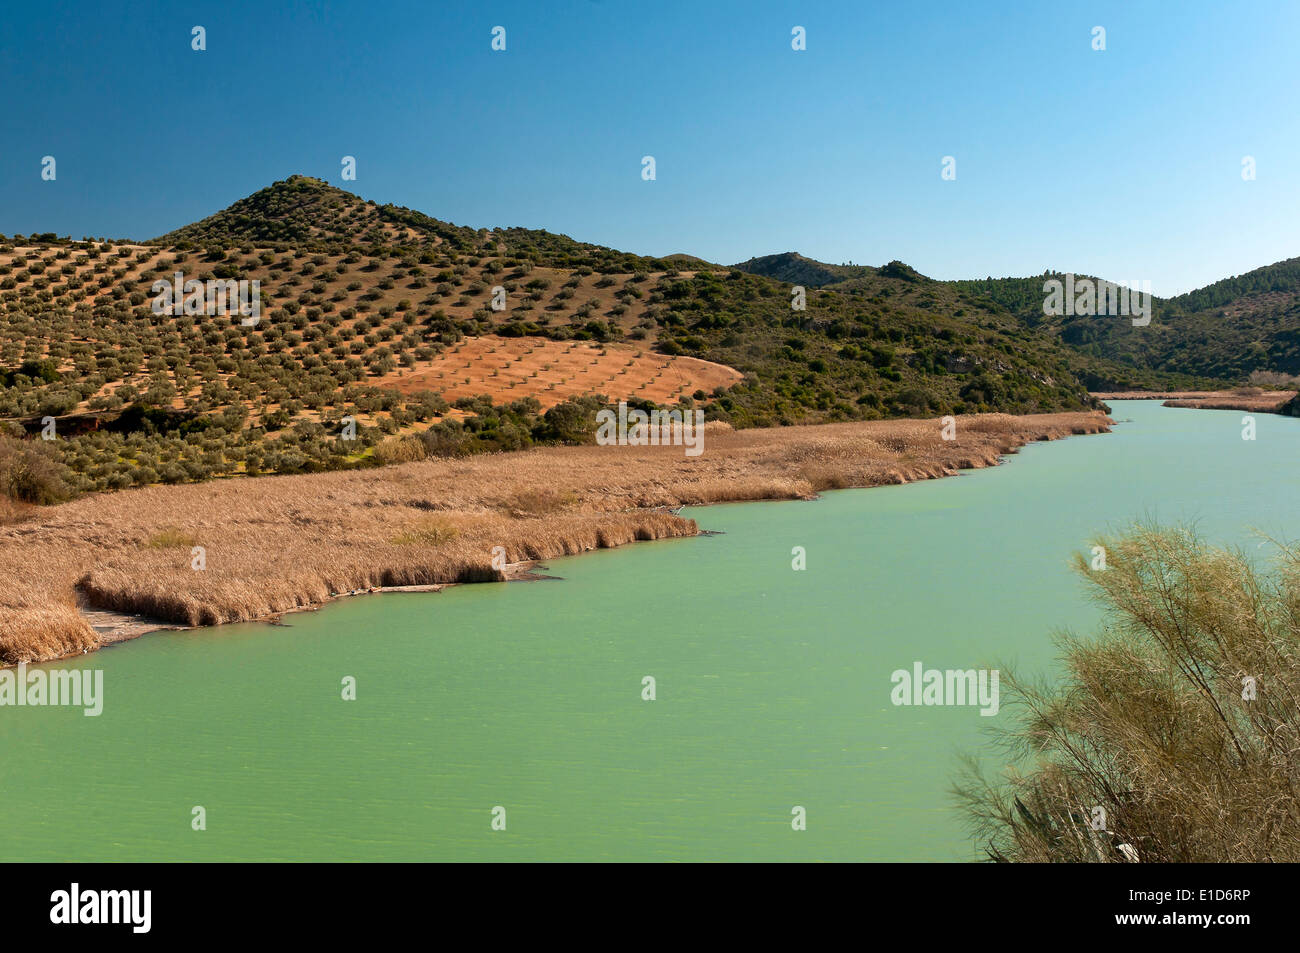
<point x="1251" y="399"/>
<point x="235" y="550"/>
<point x="416" y="399"/>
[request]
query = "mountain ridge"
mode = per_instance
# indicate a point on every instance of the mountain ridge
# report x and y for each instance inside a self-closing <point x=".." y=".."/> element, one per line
<point x="465" y="339"/>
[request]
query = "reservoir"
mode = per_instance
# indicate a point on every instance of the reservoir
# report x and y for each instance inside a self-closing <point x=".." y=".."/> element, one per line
<point x="772" y="685"/>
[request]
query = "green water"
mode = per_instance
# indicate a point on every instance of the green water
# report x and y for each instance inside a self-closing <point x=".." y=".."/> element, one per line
<point x="773" y="685"/>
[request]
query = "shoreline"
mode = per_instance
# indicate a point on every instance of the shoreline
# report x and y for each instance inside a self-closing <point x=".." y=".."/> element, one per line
<point x="105" y="569"/>
<point x="115" y="628"/>
<point x="1250" y="399"/>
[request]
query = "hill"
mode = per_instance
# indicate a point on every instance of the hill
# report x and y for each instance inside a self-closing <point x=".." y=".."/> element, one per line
<point x="795" y="269"/>
<point x="425" y="336"/>
<point x="1226" y="332"/>
<point x="309" y="214"/>
<point x="1242" y="328"/>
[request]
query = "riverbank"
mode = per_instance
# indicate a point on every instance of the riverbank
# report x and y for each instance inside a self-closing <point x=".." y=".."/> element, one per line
<point x="1250" y="399"/>
<point x="250" y="549"/>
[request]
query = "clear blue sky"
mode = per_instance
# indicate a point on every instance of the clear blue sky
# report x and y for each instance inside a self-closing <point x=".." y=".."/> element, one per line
<point x="1124" y="163"/>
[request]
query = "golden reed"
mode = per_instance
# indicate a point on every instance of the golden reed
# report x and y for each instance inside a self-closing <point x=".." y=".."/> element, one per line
<point x="274" y="544"/>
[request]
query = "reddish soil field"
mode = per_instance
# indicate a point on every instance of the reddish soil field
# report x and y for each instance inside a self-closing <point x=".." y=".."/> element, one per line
<point x="552" y="371"/>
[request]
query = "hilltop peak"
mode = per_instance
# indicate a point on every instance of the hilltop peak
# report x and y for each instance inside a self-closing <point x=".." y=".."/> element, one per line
<point x="797" y="269"/>
<point x="307" y="211"/>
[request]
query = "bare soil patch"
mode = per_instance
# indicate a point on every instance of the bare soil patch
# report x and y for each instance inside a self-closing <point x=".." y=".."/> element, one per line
<point x="508" y="369"/>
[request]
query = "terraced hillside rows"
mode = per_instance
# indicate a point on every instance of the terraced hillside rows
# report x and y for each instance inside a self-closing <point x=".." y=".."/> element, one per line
<point x="323" y="309"/>
<point x="555" y="371"/>
<point x="384" y="324"/>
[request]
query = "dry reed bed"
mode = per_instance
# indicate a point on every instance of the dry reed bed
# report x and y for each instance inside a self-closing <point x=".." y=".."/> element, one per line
<point x="1251" y="399"/>
<point x="1270" y="403"/>
<point x="274" y="544"/>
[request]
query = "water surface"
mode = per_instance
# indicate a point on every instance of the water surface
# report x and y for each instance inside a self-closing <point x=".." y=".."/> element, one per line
<point x="772" y="685"/>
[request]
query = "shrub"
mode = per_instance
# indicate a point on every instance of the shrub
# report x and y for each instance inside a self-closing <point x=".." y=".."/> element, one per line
<point x="1179" y="721"/>
<point x="574" y="420"/>
<point x="31" y="472"/>
<point x="401" y="450"/>
<point x="429" y="532"/>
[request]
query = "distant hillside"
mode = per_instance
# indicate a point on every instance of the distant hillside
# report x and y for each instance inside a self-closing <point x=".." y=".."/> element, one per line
<point x="797" y="270"/>
<point x="1225" y="331"/>
<point x="681" y="260"/>
<point x="1022" y="297"/>
<point x="1282" y="278"/>
<point x="310" y="214"/>
<point x="1017" y="299"/>
<point x="464" y="339"/>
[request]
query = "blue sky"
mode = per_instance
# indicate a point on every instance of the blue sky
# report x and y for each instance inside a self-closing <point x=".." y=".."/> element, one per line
<point x="1124" y="163"/>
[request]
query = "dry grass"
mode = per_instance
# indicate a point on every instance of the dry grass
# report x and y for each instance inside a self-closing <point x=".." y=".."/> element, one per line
<point x="15" y="511"/>
<point x="170" y="537"/>
<point x="406" y="449"/>
<point x="273" y="544"/>
<point x="29" y="632"/>
<point x="1275" y="380"/>
<point x="540" y="501"/>
<point x="1251" y="399"/>
<point x="427" y="533"/>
